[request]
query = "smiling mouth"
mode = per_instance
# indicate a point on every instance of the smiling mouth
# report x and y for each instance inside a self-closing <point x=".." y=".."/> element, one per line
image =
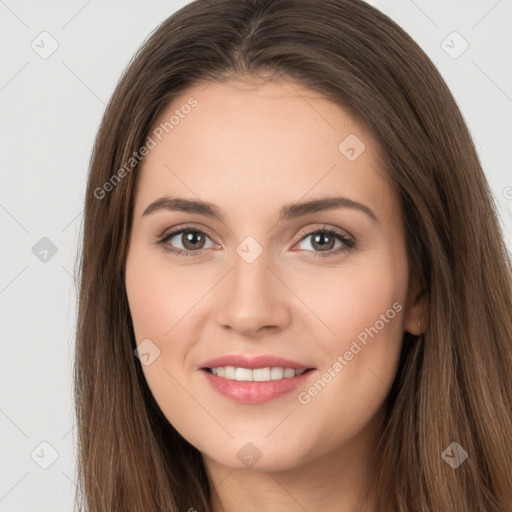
<point x="266" y="374"/>
<point x="254" y="386"/>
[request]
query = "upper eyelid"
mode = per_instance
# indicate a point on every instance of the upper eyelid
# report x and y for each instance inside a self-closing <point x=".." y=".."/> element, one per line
<point x="176" y="230"/>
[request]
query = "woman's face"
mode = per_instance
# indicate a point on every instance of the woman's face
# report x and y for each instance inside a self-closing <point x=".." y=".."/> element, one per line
<point x="257" y="278"/>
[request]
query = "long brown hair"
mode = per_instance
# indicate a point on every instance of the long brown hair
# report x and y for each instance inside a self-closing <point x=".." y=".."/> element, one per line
<point x="454" y="382"/>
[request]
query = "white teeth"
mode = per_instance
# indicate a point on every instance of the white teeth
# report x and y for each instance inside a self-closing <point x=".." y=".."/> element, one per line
<point x="276" y="373"/>
<point x="243" y="374"/>
<point x="256" y="375"/>
<point x="229" y="372"/>
<point x="261" y="374"/>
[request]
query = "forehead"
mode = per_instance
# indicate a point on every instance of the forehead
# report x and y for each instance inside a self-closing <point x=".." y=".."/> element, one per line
<point x="278" y="140"/>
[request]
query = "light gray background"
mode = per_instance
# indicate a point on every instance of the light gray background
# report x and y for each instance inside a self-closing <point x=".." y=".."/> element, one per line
<point x="50" y="111"/>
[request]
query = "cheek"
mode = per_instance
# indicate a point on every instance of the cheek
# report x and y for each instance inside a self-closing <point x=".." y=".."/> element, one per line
<point x="366" y="315"/>
<point x="345" y="301"/>
<point x="160" y="304"/>
<point x="160" y="297"/>
<point x="161" y="301"/>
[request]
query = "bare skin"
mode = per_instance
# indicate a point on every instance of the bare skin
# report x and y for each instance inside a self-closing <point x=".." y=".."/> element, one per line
<point x="250" y="150"/>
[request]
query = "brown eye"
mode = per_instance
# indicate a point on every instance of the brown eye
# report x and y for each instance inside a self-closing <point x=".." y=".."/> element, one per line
<point x="328" y="241"/>
<point x="186" y="241"/>
<point x="192" y="240"/>
<point x="323" y="241"/>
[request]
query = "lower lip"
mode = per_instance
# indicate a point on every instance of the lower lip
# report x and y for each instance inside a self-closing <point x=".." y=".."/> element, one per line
<point x="255" y="392"/>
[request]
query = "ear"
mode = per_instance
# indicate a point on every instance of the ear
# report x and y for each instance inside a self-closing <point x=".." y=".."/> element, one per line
<point x="415" y="309"/>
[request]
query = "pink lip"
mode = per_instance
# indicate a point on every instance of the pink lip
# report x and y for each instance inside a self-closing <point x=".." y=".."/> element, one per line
<point x="262" y="361"/>
<point x="254" y="393"/>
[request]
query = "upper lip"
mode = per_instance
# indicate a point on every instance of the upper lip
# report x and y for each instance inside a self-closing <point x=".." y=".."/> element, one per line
<point x="261" y="361"/>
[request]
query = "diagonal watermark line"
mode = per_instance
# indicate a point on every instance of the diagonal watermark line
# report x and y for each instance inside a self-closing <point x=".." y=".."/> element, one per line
<point x="71" y="221"/>
<point x="301" y="300"/>
<point x="14" y="76"/>
<point x="492" y="81"/>
<point x="199" y="403"/>
<point x="275" y="428"/>
<point x="13" y="279"/>
<point x="424" y="13"/>
<point x="70" y="479"/>
<point x="14" y="423"/>
<point x="485" y="15"/>
<point x="165" y="165"/>
<point x="14" y="486"/>
<point x="189" y="310"/>
<point x="68" y="272"/>
<point x="224" y="479"/>
<point x="14" y="218"/>
<point x="304" y="98"/>
<point x="68" y="432"/>
<point x="217" y="485"/>
<point x="378" y="378"/>
<point x="286" y="491"/>
<point x="311" y="188"/>
<point x="13" y="13"/>
<point x="75" y="15"/>
<point x="83" y="83"/>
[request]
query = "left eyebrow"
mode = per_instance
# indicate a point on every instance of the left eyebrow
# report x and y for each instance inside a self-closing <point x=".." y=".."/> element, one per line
<point x="325" y="203"/>
<point x="288" y="212"/>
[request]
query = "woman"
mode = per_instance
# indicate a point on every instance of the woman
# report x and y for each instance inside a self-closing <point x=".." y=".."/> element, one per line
<point x="294" y="290"/>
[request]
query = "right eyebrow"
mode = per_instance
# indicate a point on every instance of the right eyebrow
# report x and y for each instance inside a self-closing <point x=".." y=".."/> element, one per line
<point x="184" y="205"/>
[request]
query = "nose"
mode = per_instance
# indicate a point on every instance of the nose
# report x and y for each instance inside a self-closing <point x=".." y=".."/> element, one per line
<point x="252" y="299"/>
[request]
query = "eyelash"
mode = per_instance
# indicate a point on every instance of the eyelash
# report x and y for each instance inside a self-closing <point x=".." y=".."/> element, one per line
<point x="348" y="242"/>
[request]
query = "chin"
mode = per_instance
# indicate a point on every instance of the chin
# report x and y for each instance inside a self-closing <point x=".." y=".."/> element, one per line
<point x="258" y="455"/>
